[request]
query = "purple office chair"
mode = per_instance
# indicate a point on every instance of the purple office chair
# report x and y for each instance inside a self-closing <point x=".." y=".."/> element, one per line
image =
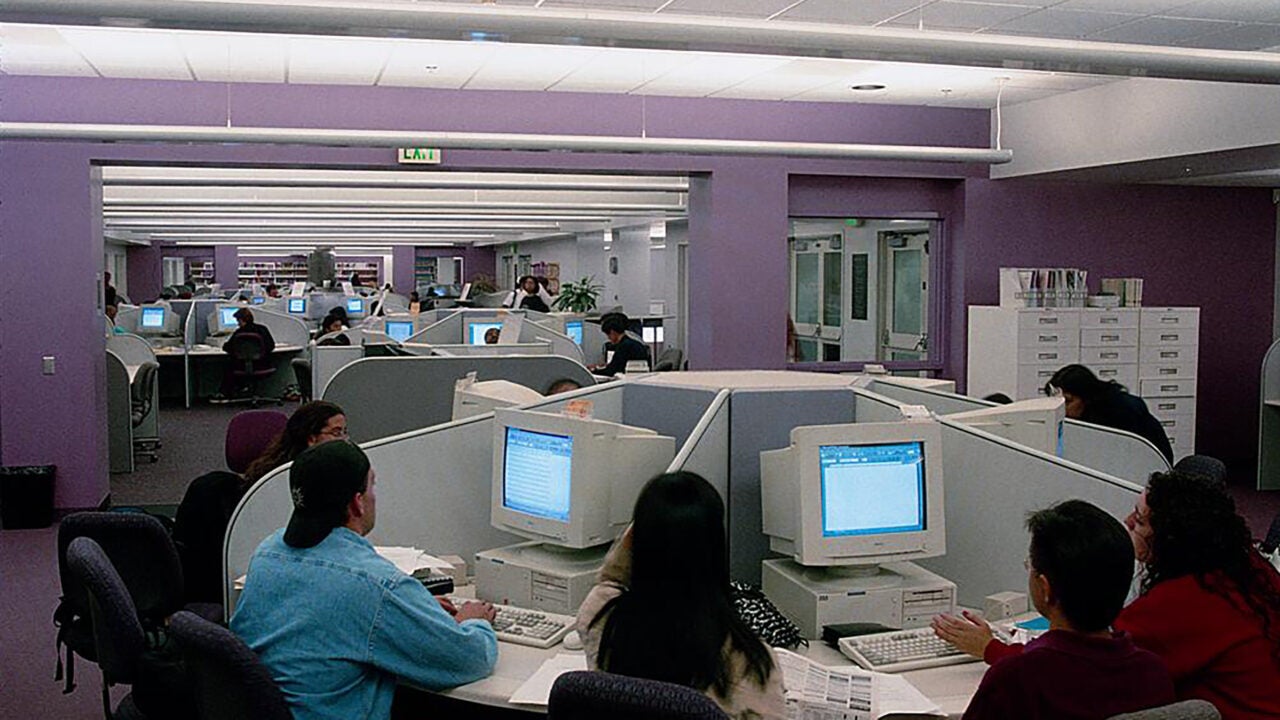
<point x="248" y="435"/>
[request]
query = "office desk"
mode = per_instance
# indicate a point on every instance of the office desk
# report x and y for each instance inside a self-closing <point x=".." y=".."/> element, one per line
<point x="951" y="687"/>
<point x="203" y="353"/>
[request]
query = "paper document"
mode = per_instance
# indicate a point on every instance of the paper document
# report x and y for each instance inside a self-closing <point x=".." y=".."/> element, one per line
<point x="537" y="689"/>
<point x="409" y="559"/>
<point x="818" y="692"/>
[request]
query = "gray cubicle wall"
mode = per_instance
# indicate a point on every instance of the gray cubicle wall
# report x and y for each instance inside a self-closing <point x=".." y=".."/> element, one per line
<point x="762" y="420"/>
<point x="1115" y="452"/>
<point x="389" y="396"/>
<point x="133" y="351"/>
<point x="119" y="416"/>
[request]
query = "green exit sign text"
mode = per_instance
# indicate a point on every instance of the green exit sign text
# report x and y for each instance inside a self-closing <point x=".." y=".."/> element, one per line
<point x="418" y="156"/>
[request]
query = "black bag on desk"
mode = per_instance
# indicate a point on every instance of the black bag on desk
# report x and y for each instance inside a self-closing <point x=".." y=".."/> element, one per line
<point x="763" y="618"/>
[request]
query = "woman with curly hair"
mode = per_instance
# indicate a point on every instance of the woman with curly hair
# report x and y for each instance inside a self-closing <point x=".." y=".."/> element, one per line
<point x="1209" y="604"/>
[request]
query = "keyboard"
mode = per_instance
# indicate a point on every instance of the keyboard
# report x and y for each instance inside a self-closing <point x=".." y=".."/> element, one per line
<point x="525" y="627"/>
<point x="900" y="650"/>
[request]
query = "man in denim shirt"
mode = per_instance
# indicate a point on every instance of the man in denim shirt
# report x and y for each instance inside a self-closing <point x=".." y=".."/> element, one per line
<point x="336" y="624"/>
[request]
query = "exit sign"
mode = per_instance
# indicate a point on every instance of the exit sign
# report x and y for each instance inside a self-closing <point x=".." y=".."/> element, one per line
<point x="418" y="156"/>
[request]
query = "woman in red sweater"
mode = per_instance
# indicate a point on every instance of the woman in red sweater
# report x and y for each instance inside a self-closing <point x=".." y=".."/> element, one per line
<point x="1209" y="604"/>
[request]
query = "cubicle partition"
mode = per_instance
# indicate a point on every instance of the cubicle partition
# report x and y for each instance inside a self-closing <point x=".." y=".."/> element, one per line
<point x="119" y="416"/>
<point x="389" y="396"/>
<point x="538" y="348"/>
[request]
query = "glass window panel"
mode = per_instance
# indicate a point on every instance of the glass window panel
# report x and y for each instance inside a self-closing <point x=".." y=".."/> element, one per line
<point x="806" y="350"/>
<point x="831" y="289"/>
<point x="907" y="309"/>
<point x="807" y="288"/>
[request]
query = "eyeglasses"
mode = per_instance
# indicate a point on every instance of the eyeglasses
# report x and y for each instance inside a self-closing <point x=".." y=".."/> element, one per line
<point x="336" y="433"/>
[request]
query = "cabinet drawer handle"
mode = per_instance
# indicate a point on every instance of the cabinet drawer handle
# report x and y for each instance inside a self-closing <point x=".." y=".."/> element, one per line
<point x="1109" y="320"/>
<point x="1169" y="423"/>
<point x="1168" y="371"/>
<point x="1109" y="355"/>
<point x="1166" y="406"/>
<point x="1169" y="320"/>
<point x="1048" y="320"/>
<point x="1170" y="337"/>
<point x="1047" y="356"/>
<point x="1110" y="338"/>
<point x="1045" y="373"/>
<point x="1107" y="373"/>
<point x="1048" y="338"/>
<point x="1168" y="388"/>
<point x="1169" y="354"/>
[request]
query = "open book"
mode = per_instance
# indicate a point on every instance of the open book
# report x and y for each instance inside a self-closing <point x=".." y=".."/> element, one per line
<point x="819" y="692"/>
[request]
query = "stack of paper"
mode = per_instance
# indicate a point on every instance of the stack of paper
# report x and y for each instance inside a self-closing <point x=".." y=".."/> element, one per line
<point x="537" y="689"/>
<point x="818" y="692"/>
<point x="409" y="559"/>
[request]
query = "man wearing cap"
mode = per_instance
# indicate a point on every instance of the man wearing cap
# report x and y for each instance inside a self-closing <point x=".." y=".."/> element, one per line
<point x="336" y="624"/>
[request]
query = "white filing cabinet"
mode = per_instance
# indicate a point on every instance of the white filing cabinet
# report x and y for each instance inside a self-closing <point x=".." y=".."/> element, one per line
<point x="1151" y="351"/>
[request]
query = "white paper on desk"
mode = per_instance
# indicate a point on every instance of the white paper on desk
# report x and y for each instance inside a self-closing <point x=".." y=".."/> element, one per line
<point x="409" y="559"/>
<point x="537" y="689"/>
<point x="819" y="692"/>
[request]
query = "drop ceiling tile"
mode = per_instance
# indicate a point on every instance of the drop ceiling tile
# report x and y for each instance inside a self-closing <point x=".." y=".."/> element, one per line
<point x="796" y="78"/>
<point x="36" y="50"/>
<point x="336" y="61"/>
<point x="529" y="67"/>
<point x="1056" y="23"/>
<point x="961" y="16"/>
<point x="1246" y="11"/>
<point x="865" y="12"/>
<point x="221" y="57"/>
<point x="710" y="73"/>
<point x="136" y="54"/>
<point x="1160" y="31"/>
<point x="1240" y="37"/>
<point x="435" y="64"/>
<point x="619" y="70"/>
<point x="624" y="5"/>
<point x="1133" y="7"/>
<point x="736" y="8"/>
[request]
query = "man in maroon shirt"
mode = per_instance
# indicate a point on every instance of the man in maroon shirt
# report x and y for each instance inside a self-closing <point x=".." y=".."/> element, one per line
<point x="1080" y="565"/>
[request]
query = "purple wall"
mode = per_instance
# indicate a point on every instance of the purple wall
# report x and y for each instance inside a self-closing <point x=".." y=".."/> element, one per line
<point x="737" y="229"/>
<point x="474" y="259"/>
<point x="145" y="272"/>
<point x="226" y="266"/>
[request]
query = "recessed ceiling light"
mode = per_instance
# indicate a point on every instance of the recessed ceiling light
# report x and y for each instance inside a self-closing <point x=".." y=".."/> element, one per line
<point x="432" y="68"/>
<point x="867" y="87"/>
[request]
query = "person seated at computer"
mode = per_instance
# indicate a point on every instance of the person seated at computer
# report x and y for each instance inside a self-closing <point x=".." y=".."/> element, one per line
<point x="491" y="336"/>
<point x="563" y="385"/>
<point x="331" y="332"/>
<point x="111" y="311"/>
<point x="530" y="295"/>
<point x="200" y="525"/>
<point x="662" y="608"/>
<point x="273" y="290"/>
<point x="1079" y="567"/>
<point x="355" y="280"/>
<point x="108" y="290"/>
<point x="336" y="624"/>
<point x="1106" y="403"/>
<point x="245" y="326"/>
<point x="1209" y="604"/>
<point x="624" y="347"/>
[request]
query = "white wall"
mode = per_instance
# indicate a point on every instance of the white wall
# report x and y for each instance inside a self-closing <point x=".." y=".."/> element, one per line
<point x="116" y="263"/>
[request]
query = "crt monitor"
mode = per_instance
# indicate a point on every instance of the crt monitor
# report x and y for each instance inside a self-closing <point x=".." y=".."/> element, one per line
<point x="573" y="328"/>
<point x="857" y="494"/>
<point x="258" y="299"/>
<point x="476" y="398"/>
<point x="157" y="320"/>
<point x="355" y="306"/>
<point x="399" y="330"/>
<point x="224" y="320"/>
<point x="569" y="481"/>
<point x="1036" y="423"/>
<point x="477" y="329"/>
<point x="297" y="306"/>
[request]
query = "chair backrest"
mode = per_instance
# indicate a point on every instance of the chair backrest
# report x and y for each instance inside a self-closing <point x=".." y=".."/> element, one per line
<point x="230" y="682"/>
<point x="248" y="435"/>
<point x="246" y="347"/>
<point x="1272" y="540"/>
<point x="302" y="372"/>
<point x="584" y="695"/>
<point x="1203" y="465"/>
<point x="1185" y="710"/>
<point x="117" y="632"/>
<point x="144" y="384"/>
<point x="141" y="551"/>
<point x="669" y="360"/>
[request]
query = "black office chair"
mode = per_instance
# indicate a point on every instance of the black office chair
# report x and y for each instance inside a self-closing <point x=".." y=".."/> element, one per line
<point x="1184" y="710"/>
<point x="230" y="682"/>
<point x="246" y="351"/>
<point x="141" y="392"/>
<point x="302" y="375"/>
<point x="669" y="360"/>
<point x="1207" y="467"/>
<point x="582" y="695"/>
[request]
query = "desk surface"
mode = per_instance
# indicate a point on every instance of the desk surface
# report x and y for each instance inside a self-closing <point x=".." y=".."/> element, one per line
<point x="951" y="687"/>
<point x="210" y="351"/>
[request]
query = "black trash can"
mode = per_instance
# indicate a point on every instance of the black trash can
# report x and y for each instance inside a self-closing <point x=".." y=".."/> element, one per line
<point x="26" y="496"/>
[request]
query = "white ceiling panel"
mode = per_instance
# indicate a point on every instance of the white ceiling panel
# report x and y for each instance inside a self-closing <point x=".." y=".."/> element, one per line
<point x="865" y="12"/>
<point x="632" y="5"/>
<point x="529" y="67"/>
<point x="336" y="61"/>
<point x="622" y="71"/>
<point x="218" y="57"/>
<point x="435" y="65"/>
<point x="708" y="73"/>
<point x="796" y="78"/>
<point x="1240" y="37"/>
<point x="948" y="15"/>
<point x="1238" y="10"/>
<point x="130" y="53"/>
<point x="1057" y="23"/>
<point x="35" y="50"/>
<point x="1161" y="31"/>
<point x="735" y="8"/>
<point x="1134" y="7"/>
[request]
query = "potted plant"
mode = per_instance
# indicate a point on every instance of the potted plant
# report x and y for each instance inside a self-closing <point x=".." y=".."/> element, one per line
<point x="580" y="296"/>
<point x="482" y="284"/>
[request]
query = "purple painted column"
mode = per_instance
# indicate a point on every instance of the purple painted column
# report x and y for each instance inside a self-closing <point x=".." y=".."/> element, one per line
<point x="737" y="258"/>
<point x="49" y="240"/>
<point x="145" y="275"/>
<point x="402" y="259"/>
<point x="226" y="266"/>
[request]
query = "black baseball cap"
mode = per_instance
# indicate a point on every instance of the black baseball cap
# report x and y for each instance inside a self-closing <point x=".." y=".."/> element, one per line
<point x="322" y="481"/>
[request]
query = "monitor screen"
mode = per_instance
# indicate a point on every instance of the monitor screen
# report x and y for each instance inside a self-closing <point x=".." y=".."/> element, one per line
<point x="573" y="329"/>
<point x="355" y="305"/>
<point x="476" y="331"/>
<point x="399" y="330"/>
<point x="440" y="291"/>
<point x="297" y="306"/>
<point x="227" y="316"/>
<point x="536" y="473"/>
<point x="257" y="299"/>
<point x="872" y="489"/>
<point x="153" y="318"/>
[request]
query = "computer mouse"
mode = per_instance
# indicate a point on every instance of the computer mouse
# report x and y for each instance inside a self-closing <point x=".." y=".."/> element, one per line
<point x="573" y="641"/>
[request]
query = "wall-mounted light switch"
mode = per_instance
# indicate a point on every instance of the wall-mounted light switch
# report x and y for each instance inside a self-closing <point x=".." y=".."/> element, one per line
<point x="47" y="365"/>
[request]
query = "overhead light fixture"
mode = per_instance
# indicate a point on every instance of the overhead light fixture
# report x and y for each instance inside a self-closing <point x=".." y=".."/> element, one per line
<point x="867" y="87"/>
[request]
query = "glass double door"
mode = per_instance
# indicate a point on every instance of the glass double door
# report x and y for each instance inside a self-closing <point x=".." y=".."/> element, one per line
<point x="816" y="283"/>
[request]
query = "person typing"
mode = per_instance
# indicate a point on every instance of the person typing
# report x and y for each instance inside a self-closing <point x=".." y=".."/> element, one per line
<point x="337" y="625"/>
